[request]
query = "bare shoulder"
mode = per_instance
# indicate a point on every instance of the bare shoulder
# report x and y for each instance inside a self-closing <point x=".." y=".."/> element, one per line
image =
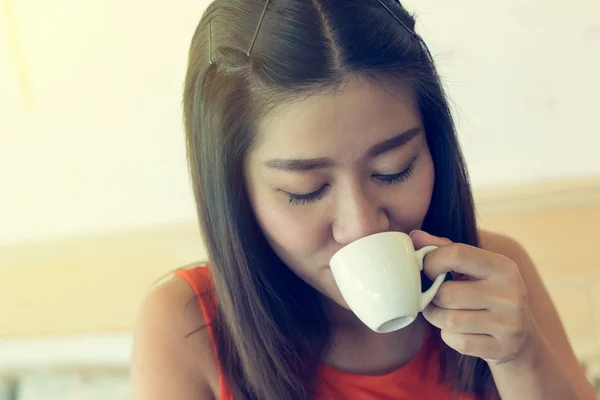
<point x="172" y="351"/>
<point x="504" y="245"/>
<point x="509" y="247"/>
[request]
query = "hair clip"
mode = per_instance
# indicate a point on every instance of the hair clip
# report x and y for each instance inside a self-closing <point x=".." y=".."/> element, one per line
<point x="262" y="17"/>
<point x="210" y="50"/>
<point x="398" y="19"/>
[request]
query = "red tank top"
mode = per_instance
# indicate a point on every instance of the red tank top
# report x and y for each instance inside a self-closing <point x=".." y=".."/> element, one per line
<point x="416" y="380"/>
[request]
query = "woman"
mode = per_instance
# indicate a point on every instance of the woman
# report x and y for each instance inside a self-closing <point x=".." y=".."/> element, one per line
<point x="311" y="124"/>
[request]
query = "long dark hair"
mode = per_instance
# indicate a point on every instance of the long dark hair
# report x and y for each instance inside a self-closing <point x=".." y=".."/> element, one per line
<point x="270" y="327"/>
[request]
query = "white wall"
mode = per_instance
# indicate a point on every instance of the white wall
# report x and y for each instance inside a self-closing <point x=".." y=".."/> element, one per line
<point x="524" y="79"/>
<point x="102" y="144"/>
<point x="96" y="142"/>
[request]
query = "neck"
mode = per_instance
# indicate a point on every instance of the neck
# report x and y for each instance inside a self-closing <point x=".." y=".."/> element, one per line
<point x="341" y="318"/>
<point x="355" y="348"/>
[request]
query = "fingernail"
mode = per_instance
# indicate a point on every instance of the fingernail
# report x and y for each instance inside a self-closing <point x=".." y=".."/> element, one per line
<point x="412" y="232"/>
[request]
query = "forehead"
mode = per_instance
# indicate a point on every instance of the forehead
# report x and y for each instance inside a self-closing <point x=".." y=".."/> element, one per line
<point x="344" y="121"/>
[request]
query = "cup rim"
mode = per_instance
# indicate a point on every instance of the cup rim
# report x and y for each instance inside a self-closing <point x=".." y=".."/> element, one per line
<point x="358" y="241"/>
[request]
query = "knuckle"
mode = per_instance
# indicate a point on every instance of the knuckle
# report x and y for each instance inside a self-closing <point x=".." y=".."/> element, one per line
<point x="464" y="344"/>
<point x="515" y="325"/>
<point x="511" y="267"/>
<point x="519" y="299"/>
<point x="453" y="321"/>
<point x="444" y="295"/>
<point x="522" y="300"/>
<point x="512" y="326"/>
<point x="446" y="240"/>
<point x="455" y="252"/>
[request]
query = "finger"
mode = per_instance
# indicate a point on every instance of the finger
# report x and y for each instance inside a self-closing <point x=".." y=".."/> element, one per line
<point x="465" y="295"/>
<point x="482" y="346"/>
<point x="462" y="321"/>
<point x="421" y="239"/>
<point x="464" y="259"/>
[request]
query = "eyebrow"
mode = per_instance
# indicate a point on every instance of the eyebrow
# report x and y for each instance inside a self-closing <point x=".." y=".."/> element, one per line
<point x="319" y="163"/>
<point x="299" y="164"/>
<point x="395" y="142"/>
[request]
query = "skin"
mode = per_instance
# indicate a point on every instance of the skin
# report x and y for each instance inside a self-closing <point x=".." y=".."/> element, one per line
<point x="358" y="195"/>
<point x="498" y="310"/>
<point x="362" y="192"/>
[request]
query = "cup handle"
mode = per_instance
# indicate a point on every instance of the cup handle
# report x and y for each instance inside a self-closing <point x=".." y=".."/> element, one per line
<point x="428" y="296"/>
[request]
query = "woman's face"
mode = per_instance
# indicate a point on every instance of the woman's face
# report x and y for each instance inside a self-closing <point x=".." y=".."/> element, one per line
<point x="332" y="168"/>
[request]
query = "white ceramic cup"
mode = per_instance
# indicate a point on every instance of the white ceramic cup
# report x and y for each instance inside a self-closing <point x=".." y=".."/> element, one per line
<point x="379" y="277"/>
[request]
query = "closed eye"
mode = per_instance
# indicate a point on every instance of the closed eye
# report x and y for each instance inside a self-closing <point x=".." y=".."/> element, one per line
<point x="394" y="178"/>
<point x="306" y="198"/>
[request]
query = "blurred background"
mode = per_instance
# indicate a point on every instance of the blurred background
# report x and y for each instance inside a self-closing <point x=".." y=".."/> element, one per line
<point x="95" y="201"/>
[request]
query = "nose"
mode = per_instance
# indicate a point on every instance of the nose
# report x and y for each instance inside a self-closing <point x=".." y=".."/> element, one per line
<point x="359" y="216"/>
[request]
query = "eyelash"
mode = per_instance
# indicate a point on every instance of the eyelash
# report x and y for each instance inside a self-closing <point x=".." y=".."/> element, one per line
<point x="303" y="199"/>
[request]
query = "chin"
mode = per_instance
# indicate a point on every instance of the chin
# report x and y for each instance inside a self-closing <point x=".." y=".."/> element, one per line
<point x="338" y="300"/>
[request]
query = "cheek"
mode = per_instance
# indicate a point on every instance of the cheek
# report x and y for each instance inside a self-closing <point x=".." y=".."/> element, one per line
<point x="299" y="239"/>
<point x="293" y="234"/>
<point x="411" y="205"/>
<point x="287" y="232"/>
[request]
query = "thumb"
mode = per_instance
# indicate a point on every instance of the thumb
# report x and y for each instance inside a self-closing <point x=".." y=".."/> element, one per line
<point x="421" y="239"/>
